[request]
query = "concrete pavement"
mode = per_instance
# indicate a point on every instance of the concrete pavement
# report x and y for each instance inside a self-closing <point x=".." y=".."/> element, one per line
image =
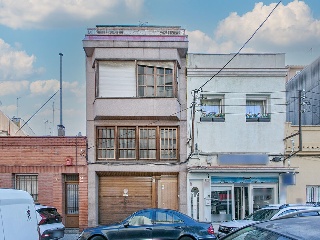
<point x="70" y="234"/>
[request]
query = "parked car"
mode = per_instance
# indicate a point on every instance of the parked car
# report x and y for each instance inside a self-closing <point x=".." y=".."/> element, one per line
<point x="268" y="212"/>
<point x="291" y="228"/>
<point x="153" y="223"/>
<point x="18" y="219"/>
<point x="50" y="222"/>
<point x="302" y="213"/>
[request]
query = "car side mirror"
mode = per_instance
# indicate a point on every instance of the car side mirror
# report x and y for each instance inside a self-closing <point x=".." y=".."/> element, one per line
<point x="126" y="224"/>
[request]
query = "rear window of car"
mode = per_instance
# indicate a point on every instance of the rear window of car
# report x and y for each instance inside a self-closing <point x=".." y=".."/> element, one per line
<point x="51" y="214"/>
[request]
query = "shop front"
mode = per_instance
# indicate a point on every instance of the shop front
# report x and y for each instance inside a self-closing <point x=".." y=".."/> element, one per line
<point x="219" y="197"/>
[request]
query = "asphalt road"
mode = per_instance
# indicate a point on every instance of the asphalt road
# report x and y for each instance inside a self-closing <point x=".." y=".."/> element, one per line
<point x="70" y="234"/>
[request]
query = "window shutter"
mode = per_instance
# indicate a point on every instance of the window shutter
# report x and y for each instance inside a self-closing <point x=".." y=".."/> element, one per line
<point x="117" y="79"/>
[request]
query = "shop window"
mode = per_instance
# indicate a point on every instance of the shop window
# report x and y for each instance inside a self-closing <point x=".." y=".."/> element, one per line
<point x="27" y="183"/>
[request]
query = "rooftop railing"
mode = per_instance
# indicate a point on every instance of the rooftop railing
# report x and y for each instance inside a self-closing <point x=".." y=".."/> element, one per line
<point x="132" y="30"/>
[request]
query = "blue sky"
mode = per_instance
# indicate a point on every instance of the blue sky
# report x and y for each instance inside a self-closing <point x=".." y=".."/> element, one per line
<point x="34" y="32"/>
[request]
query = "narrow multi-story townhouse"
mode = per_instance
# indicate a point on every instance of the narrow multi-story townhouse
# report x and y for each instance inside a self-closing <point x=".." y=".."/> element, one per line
<point x="303" y="131"/>
<point x="136" y="119"/>
<point x="236" y="134"/>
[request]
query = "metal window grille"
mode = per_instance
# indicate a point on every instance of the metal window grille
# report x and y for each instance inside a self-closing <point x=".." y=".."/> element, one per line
<point x="72" y="198"/>
<point x="27" y="183"/>
<point x="313" y="194"/>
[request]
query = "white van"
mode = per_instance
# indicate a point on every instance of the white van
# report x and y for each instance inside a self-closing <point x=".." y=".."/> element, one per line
<point x="18" y="219"/>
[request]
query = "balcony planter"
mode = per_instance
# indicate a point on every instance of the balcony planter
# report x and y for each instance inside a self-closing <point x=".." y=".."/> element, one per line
<point x="206" y="119"/>
<point x="258" y="117"/>
<point x="252" y="119"/>
<point x="218" y="119"/>
<point x="264" y="119"/>
<point x="212" y="117"/>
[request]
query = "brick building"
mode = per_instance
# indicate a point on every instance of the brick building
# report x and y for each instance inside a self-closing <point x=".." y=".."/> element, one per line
<point x="52" y="169"/>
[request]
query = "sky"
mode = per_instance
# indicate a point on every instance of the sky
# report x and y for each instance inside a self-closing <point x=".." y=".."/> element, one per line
<point x="34" y="32"/>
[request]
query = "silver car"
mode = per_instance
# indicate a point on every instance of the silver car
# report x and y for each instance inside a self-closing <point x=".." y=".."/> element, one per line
<point x="50" y="222"/>
<point x="268" y="212"/>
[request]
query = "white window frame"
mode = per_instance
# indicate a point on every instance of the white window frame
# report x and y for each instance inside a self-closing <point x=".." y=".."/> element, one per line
<point x="312" y="193"/>
<point x="264" y="107"/>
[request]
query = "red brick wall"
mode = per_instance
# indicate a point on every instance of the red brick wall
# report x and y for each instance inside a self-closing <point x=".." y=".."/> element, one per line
<point x="46" y="157"/>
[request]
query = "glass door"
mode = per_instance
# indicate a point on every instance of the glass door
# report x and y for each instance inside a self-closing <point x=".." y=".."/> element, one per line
<point x="241" y="199"/>
<point x="221" y="203"/>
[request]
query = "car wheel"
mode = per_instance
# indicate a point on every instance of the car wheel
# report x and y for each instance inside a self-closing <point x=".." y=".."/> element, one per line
<point x="186" y="238"/>
<point x="97" y="238"/>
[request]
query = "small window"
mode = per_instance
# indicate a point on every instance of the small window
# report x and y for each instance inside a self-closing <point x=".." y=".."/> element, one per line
<point x="168" y="142"/>
<point x="147" y="143"/>
<point x="105" y="143"/>
<point x="127" y="143"/>
<point x="257" y="109"/>
<point x="27" y="183"/>
<point x="212" y="108"/>
<point x="313" y="194"/>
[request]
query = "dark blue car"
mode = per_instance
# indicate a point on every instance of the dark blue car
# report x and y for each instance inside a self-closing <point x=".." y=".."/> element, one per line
<point x="152" y="223"/>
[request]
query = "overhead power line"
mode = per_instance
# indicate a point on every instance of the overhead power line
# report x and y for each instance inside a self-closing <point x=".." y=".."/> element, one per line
<point x="37" y="111"/>
<point x="241" y="47"/>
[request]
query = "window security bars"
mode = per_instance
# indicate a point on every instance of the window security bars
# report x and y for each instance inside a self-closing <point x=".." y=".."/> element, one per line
<point x="27" y="183"/>
<point x="313" y="194"/>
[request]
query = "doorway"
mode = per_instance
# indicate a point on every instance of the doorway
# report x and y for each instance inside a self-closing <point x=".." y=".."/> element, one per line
<point x="241" y="198"/>
<point x="72" y="201"/>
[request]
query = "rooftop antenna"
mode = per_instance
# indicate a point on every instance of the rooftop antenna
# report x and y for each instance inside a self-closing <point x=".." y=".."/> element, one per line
<point x="18" y="106"/>
<point x="142" y="23"/>
<point x="61" y="129"/>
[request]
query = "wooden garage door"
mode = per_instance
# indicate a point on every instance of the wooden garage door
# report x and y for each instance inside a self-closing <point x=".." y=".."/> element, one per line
<point x="114" y="205"/>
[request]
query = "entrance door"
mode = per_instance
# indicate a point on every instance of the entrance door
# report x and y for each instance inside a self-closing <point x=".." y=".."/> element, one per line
<point x="72" y="201"/>
<point x="168" y="192"/>
<point x="241" y="197"/>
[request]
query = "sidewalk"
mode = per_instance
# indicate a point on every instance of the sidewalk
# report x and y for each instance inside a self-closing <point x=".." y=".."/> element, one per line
<point x="71" y="234"/>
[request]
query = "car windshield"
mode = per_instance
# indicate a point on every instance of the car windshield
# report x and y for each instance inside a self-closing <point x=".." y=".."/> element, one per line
<point x="262" y="214"/>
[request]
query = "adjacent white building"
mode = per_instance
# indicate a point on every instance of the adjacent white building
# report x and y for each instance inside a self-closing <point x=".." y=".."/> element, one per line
<point x="236" y="134"/>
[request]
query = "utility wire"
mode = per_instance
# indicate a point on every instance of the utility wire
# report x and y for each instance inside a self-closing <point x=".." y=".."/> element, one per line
<point x="37" y="111"/>
<point x="241" y="47"/>
<point x="151" y="123"/>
